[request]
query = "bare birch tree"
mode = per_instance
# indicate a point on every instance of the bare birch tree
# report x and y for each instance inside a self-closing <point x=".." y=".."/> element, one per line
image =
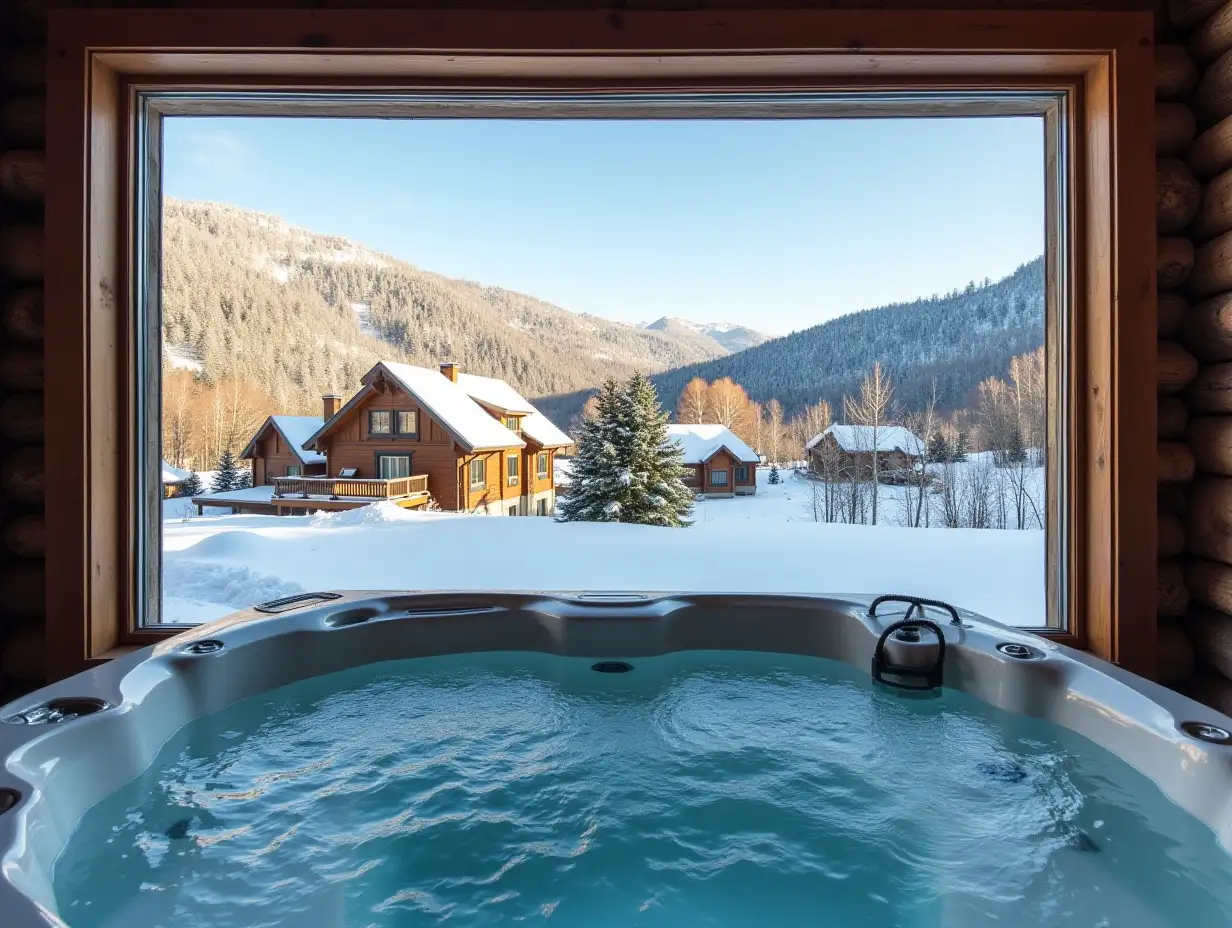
<point x="694" y="399"/>
<point x="872" y="410"/>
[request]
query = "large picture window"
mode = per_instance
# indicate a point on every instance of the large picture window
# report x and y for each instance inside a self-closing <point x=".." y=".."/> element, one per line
<point x="1019" y="454"/>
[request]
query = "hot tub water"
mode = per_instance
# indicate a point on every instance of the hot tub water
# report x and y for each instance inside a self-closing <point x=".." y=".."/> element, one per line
<point x="700" y="788"/>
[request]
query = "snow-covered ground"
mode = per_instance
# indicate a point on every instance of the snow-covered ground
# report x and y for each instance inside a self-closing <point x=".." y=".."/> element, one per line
<point x="765" y="543"/>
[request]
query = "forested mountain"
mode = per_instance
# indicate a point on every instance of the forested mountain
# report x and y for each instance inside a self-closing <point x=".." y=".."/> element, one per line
<point x="245" y="295"/>
<point x="954" y="341"/>
<point x="731" y="337"/>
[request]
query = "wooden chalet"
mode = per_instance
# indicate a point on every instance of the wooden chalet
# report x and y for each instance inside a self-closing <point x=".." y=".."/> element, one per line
<point x="470" y="443"/>
<point x="720" y="464"/>
<point x="849" y="449"/>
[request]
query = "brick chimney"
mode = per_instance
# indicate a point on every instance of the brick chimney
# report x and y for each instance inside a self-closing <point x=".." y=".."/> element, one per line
<point x="333" y="402"/>
<point x="450" y="370"/>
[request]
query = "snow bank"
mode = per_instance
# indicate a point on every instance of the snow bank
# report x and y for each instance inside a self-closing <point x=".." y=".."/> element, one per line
<point x="217" y="565"/>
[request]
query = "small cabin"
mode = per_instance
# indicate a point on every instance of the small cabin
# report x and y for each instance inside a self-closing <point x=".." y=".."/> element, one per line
<point x="719" y="463"/>
<point x="847" y="450"/>
<point x="277" y="450"/>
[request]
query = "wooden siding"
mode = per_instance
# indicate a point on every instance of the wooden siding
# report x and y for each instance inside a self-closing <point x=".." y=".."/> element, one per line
<point x="272" y="458"/>
<point x="532" y="483"/>
<point x="494" y="491"/>
<point x="433" y="452"/>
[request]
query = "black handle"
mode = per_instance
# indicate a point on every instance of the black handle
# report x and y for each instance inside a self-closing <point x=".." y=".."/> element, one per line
<point x="932" y="676"/>
<point x="917" y="602"/>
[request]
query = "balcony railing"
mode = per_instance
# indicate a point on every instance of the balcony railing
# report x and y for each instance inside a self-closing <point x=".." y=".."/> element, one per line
<point x="350" y="487"/>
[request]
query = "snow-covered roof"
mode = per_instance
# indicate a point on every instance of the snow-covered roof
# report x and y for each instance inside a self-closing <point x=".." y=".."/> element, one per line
<point x="495" y="393"/>
<point x="453" y="408"/>
<point x="541" y="430"/>
<point x="859" y="438"/>
<point x="260" y="494"/>
<point x="297" y="430"/>
<point x="700" y="442"/>
<point x="173" y="474"/>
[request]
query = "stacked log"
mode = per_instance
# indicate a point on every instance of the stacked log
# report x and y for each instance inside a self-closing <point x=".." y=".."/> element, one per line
<point x="1195" y="376"/>
<point x="22" y="188"/>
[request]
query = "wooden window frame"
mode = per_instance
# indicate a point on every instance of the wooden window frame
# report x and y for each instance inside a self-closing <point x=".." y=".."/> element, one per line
<point x="737" y="477"/>
<point x="398" y="414"/>
<point x="99" y="58"/>
<point x="388" y="433"/>
<point x="379" y="455"/>
<point x="719" y="483"/>
<point x="542" y="457"/>
<point x="299" y="470"/>
<point x="511" y="462"/>
<point x="483" y="472"/>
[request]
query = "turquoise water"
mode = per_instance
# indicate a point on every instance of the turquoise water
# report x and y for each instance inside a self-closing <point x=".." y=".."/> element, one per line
<point x="698" y="789"/>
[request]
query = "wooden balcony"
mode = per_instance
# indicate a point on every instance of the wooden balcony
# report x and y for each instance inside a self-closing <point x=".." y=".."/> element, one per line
<point x="347" y="492"/>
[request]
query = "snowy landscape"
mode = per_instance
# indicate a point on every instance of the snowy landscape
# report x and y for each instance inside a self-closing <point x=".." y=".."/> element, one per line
<point x="217" y="564"/>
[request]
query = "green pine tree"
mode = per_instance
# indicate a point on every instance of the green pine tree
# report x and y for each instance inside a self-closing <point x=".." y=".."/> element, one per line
<point x="960" y="450"/>
<point x="228" y="474"/>
<point x="939" y="448"/>
<point x="595" y="482"/>
<point x="655" y="494"/>
<point x="1015" y="450"/>
<point x="192" y="485"/>
<point x="774" y="474"/>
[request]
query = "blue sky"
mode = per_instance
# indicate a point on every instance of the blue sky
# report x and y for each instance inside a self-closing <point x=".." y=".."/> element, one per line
<point x="777" y="225"/>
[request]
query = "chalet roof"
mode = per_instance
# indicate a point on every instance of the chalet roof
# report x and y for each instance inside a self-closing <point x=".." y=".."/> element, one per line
<point x="495" y="393"/>
<point x="173" y="475"/>
<point x="451" y="406"/>
<point x="498" y="395"/>
<point x="295" y="431"/>
<point x="541" y="430"/>
<point x="700" y="442"/>
<point x="859" y="438"/>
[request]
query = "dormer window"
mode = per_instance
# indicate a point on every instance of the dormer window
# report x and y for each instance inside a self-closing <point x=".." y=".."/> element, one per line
<point x="513" y="424"/>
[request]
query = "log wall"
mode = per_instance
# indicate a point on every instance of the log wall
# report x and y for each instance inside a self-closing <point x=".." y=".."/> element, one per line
<point x="1194" y="142"/>
<point x="1195" y="370"/>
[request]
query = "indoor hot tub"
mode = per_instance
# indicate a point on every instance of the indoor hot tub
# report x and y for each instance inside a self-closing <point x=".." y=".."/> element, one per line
<point x="609" y="760"/>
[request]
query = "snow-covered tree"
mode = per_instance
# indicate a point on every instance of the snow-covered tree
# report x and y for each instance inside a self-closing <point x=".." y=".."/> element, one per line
<point x="939" y="448"/>
<point x="625" y="469"/>
<point x="597" y="478"/>
<point x="774" y="474"/>
<point x="656" y="491"/>
<point x="192" y="485"/>
<point x="228" y="474"/>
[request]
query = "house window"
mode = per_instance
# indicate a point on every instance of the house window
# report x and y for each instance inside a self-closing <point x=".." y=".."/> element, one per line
<point x="542" y="464"/>
<point x="408" y="422"/>
<point x="479" y="475"/>
<point x="718" y="478"/>
<point x="392" y="466"/>
<point x="742" y="474"/>
<point x="294" y="470"/>
<point x="513" y="424"/>
<point x="380" y="422"/>
<point x="511" y="469"/>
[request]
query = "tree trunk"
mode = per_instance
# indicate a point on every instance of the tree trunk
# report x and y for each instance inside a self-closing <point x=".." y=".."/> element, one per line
<point x="1176" y="74"/>
<point x="1212" y="98"/>
<point x="1175" y="128"/>
<point x="1211" y="152"/>
<point x="1212" y="267"/>
<point x="1176" y="462"/>
<point x="1174" y="260"/>
<point x="1177" y="195"/>
<point x="1172" y="596"/>
<point x="1211" y="390"/>
<point x="1176" y="367"/>
<point x="1172" y="418"/>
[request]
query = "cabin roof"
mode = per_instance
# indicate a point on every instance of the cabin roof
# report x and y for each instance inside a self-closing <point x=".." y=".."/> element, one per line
<point x="173" y="475"/>
<point x="859" y="439"/>
<point x="701" y="442"/>
<point x="295" y="431"/>
<point x="495" y="394"/>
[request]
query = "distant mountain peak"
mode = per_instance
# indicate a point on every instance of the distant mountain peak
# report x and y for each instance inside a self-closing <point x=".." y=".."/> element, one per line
<point x="729" y="335"/>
